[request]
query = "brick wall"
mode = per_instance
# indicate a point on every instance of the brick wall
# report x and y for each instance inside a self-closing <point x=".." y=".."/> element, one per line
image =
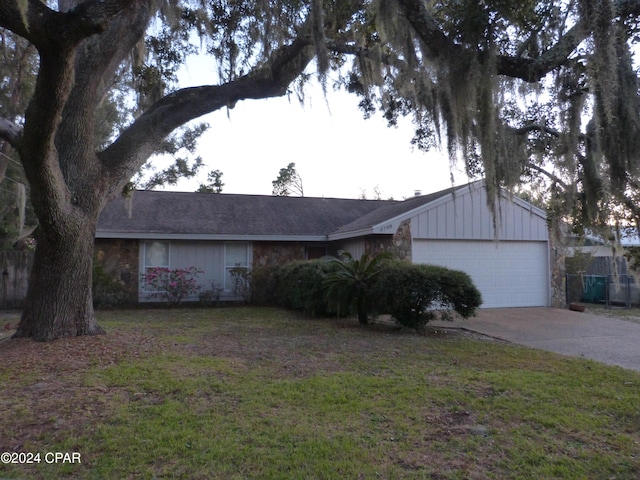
<point x="276" y="253"/>
<point x="399" y="244"/>
<point x="119" y="259"/>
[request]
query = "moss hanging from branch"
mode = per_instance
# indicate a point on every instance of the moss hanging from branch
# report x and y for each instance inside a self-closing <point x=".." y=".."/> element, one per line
<point x="598" y="16"/>
<point x="457" y="66"/>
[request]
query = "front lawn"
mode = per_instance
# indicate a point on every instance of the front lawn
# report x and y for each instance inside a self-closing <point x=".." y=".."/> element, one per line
<point x="263" y="393"/>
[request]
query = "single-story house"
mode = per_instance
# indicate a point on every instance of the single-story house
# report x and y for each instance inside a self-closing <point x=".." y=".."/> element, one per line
<point x="217" y="232"/>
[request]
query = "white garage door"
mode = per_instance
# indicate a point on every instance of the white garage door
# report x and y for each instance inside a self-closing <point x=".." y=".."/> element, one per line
<point x="508" y="274"/>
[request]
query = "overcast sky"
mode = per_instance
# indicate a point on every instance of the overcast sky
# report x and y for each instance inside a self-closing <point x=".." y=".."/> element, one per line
<point x="337" y="153"/>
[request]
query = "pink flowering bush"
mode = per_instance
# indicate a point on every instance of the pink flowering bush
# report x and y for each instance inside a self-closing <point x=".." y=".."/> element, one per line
<point x="171" y="285"/>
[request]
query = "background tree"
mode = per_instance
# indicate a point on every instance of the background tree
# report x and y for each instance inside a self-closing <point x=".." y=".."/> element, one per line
<point x="18" y="67"/>
<point x="214" y="184"/>
<point x="516" y="90"/>
<point x="288" y="182"/>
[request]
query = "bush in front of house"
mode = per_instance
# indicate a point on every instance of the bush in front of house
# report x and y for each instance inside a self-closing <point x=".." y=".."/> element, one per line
<point x="171" y="285"/>
<point x="414" y="294"/>
<point x="458" y="292"/>
<point x="350" y="284"/>
<point x="299" y="285"/>
<point x="107" y="290"/>
<point x="263" y="280"/>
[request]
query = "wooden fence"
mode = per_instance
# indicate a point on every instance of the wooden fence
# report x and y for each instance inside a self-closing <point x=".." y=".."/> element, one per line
<point x="14" y="278"/>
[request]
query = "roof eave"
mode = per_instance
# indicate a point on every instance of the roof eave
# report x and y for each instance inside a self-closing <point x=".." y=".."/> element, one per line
<point x="351" y="234"/>
<point x="210" y="237"/>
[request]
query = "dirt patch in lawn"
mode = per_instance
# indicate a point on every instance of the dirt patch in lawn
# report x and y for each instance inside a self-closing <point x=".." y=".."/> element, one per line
<point x="48" y="385"/>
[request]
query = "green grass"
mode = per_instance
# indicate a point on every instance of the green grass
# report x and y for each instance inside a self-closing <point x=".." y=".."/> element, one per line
<point x="629" y="314"/>
<point x="262" y="393"/>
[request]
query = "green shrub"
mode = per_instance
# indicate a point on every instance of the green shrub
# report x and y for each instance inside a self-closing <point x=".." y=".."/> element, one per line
<point x="107" y="291"/>
<point x="458" y="292"/>
<point x="263" y="285"/>
<point x="256" y="286"/>
<point x="211" y="296"/>
<point x="413" y="294"/>
<point x="241" y="279"/>
<point x="299" y="286"/>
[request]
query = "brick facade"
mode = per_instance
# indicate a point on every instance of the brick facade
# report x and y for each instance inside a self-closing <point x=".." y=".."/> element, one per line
<point x="399" y="244"/>
<point x="119" y="258"/>
<point x="268" y="254"/>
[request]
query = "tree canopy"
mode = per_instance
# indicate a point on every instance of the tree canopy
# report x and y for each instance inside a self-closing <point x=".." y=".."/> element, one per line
<point x="214" y="183"/>
<point x="518" y="91"/>
<point x="288" y="183"/>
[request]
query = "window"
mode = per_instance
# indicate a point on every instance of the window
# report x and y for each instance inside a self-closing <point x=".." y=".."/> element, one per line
<point x="236" y="255"/>
<point x="156" y="254"/>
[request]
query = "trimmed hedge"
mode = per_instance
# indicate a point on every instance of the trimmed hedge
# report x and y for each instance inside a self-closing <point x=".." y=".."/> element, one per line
<point x="413" y="294"/>
<point x="299" y="285"/>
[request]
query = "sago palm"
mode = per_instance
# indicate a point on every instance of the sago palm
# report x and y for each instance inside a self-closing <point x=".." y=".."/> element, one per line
<point x="349" y="285"/>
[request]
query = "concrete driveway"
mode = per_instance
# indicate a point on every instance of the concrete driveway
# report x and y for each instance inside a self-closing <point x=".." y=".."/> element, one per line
<point x="606" y="340"/>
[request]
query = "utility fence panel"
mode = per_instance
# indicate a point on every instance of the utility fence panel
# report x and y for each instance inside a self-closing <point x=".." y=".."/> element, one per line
<point x="14" y="278"/>
<point x="609" y="290"/>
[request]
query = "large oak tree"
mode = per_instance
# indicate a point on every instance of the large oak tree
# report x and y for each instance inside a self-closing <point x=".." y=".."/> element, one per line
<point x="518" y="90"/>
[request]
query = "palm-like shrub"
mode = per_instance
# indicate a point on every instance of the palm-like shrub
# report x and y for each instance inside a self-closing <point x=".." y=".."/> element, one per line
<point x="349" y="286"/>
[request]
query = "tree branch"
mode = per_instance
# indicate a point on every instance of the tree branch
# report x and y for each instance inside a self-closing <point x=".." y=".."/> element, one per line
<point x="548" y="174"/>
<point x="348" y="48"/>
<point x="47" y="29"/>
<point x="10" y="132"/>
<point x="534" y="69"/>
<point x="527" y="69"/>
<point x="536" y="127"/>
<point x="125" y="156"/>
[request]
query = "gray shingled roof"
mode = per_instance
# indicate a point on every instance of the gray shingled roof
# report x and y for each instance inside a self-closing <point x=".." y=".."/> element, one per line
<point x="165" y="212"/>
<point x="206" y="214"/>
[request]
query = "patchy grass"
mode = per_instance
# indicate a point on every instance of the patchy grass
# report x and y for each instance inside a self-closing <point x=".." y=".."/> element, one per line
<point x="262" y="393"/>
<point x="629" y="314"/>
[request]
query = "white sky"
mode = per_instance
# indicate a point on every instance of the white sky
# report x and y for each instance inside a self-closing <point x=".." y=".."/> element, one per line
<point x="337" y="153"/>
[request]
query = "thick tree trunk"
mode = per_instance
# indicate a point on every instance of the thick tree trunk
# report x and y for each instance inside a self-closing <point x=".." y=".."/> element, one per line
<point x="59" y="301"/>
<point x="80" y="53"/>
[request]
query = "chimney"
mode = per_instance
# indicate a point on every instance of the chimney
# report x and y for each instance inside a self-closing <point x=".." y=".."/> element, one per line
<point x="417" y="193"/>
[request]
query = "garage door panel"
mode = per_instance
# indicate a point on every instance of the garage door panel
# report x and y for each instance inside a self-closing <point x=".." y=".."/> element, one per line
<point x="508" y="274"/>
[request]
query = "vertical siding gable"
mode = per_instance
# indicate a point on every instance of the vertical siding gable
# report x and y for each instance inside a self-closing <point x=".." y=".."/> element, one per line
<point x="355" y="247"/>
<point x="465" y="216"/>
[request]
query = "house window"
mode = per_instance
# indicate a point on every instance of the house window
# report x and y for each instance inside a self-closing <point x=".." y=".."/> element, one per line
<point x="236" y="256"/>
<point x="156" y="254"/>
